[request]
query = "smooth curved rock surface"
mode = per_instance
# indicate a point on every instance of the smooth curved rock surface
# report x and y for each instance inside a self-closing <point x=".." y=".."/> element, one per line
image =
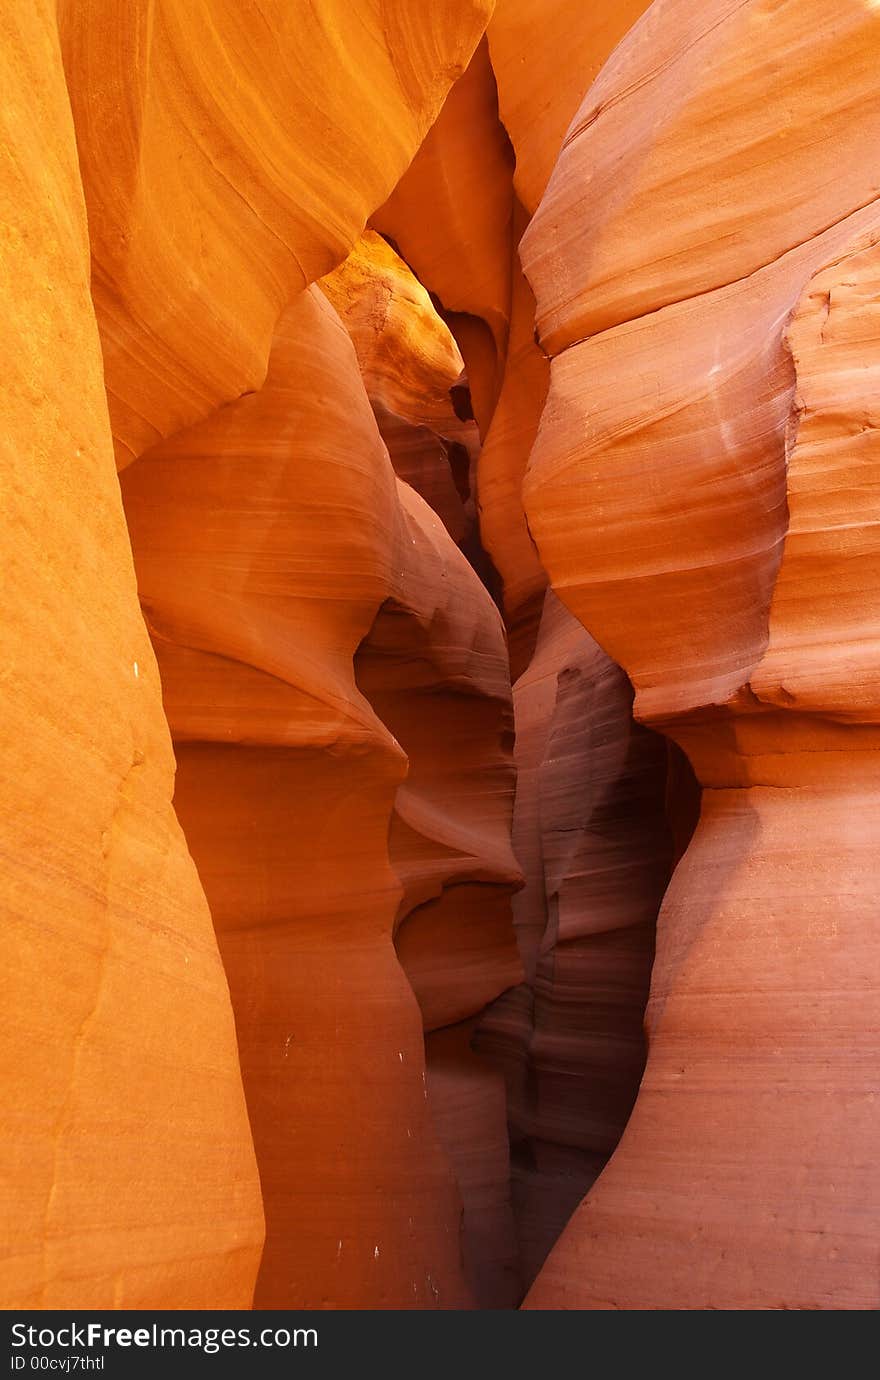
<point x="286" y="782"/>
<point x="591" y="833"/>
<point x="713" y="142"/>
<point x="718" y="451"/>
<point x="469" y="1107"/>
<point x="545" y="55"/>
<point x="450" y="218"/>
<point x="211" y="197"/>
<point x="128" y="1167"/>
<point x="688" y="368"/>
<point x="502" y="466"/>
<point x="434" y="667"/>
<point x="411" y="367"/>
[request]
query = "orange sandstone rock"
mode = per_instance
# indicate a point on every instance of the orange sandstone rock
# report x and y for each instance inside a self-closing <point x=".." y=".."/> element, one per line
<point x="590" y="831"/>
<point x="411" y="366"/>
<point x="434" y="668"/>
<point x="469" y="1108"/>
<point x="285" y="788"/>
<point x="230" y="156"/>
<point x="450" y="218"/>
<point x="700" y="491"/>
<point x="545" y="55"/>
<point x="502" y="467"/>
<point x="712" y="143"/>
<point x="128" y="1166"/>
<point x="265" y="541"/>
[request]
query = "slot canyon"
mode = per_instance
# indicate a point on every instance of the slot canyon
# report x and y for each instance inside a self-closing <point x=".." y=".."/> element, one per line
<point x="441" y="654"/>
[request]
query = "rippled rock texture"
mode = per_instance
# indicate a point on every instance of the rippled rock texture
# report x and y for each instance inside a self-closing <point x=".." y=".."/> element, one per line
<point x="209" y="206"/>
<point x="703" y="494"/>
<point x="493" y="388"/>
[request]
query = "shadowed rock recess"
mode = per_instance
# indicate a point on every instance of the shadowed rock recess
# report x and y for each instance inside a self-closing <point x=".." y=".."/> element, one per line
<point x="441" y="654"/>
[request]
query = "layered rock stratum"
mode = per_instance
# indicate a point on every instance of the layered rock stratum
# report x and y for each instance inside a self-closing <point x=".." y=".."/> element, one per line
<point x="440" y="447"/>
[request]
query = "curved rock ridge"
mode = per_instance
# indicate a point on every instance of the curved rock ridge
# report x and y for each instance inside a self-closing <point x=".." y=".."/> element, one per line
<point x="267" y="541"/>
<point x="570" y="1038"/>
<point x="450" y="218"/>
<point x="724" y="408"/>
<point x="434" y="667"/>
<point x="217" y="187"/>
<point x="412" y="368"/>
<point x="502" y="465"/>
<point x="405" y="1061"/>
<point x="126" y="1153"/>
<point x="545" y="55"/>
<point x="469" y="1108"/>
<point x="591" y="833"/>
<point x="745" y="99"/>
<point x="823" y="653"/>
<point x="704" y="505"/>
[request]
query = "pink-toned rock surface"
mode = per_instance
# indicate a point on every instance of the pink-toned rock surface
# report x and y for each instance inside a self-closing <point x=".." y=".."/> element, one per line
<point x="715" y="140"/>
<point x="286" y="782"/>
<point x="209" y="204"/>
<point x="469" y="1108"/>
<point x="591" y="834"/>
<point x="700" y="492"/>
<point x="678" y="404"/>
<point x="434" y="668"/>
<point x="128" y="1171"/>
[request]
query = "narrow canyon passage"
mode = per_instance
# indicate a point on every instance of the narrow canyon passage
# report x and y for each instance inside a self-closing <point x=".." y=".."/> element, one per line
<point x="442" y="661"/>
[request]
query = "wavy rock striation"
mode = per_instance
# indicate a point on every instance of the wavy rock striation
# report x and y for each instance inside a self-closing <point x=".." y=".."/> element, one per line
<point x="209" y="209"/>
<point x="591" y="832"/>
<point x="127" y="1158"/>
<point x="287" y="784"/>
<point x="412" y="370"/>
<point x="545" y="56"/>
<point x="211" y="200"/>
<point x="450" y="217"/>
<point x="647" y="240"/>
<point x="710" y="423"/>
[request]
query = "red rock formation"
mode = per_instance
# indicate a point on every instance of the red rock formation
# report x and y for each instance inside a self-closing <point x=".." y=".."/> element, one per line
<point x="704" y="255"/>
<point x="207" y="208"/>
<point x="286" y="781"/>
<point x="545" y="56"/>
<point x="502" y="467"/>
<point x="590" y="831"/>
<point x="744" y="98"/>
<point x="450" y="217"/>
<point x="410" y="365"/>
<point x="211" y="196"/>
<point x="126" y="1154"/>
<point x="469" y="1108"/>
<point x="714" y="437"/>
<point x="434" y="667"/>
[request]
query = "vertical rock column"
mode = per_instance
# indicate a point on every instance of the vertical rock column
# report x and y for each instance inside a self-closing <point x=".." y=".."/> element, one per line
<point x="435" y="668"/>
<point x="127" y="1158"/>
<point x="266" y="540"/>
<point x="589" y="826"/>
<point x="703" y="491"/>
